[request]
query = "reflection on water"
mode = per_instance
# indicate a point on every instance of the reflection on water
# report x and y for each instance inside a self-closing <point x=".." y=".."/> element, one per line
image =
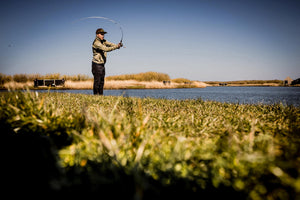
<point x="242" y="95"/>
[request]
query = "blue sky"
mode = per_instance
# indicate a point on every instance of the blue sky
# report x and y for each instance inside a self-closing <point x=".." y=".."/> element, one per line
<point x="206" y="40"/>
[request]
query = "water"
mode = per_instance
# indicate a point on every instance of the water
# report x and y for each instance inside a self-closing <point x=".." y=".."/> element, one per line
<point x="242" y="95"/>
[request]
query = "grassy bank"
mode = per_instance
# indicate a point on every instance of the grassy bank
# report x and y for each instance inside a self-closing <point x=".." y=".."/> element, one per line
<point x="149" y="148"/>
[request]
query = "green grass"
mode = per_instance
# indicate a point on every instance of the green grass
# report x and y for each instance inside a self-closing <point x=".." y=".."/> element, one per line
<point x="151" y="148"/>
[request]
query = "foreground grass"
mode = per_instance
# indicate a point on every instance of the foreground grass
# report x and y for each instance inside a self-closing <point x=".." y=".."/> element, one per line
<point x="149" y="148"/>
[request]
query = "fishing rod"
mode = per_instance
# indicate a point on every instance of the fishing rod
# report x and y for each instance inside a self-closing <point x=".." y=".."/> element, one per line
<point x="108" y="19"/>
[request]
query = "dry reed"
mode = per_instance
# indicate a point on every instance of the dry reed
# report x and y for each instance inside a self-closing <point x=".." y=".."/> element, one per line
<point x="112" y="84"/>
<point x="16" y="85"/>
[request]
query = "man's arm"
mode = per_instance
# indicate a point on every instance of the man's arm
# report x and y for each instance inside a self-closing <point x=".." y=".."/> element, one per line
<point x="112" y="44"/>
<point x="107" y="46"/>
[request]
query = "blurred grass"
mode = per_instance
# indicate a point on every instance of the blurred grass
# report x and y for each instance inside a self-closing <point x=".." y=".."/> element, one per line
<point x="151" y="148"/>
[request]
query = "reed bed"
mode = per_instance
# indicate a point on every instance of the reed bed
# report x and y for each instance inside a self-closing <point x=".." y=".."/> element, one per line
<point x="132" y="148"/>
<point x="132" y="84"/>
<point x="147" y="76"/>
<point x="109" y="84"/>
<point x="113" y="84"/>
<point x="18" y="85"/>
<point x="79" y="84"/>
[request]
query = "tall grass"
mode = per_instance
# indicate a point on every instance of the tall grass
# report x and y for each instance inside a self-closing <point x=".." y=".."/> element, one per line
<point x="23" y="78"/>
<point x="181" y="80"/>
<point x="156" y="148"/>
<point x="147" y="76"/>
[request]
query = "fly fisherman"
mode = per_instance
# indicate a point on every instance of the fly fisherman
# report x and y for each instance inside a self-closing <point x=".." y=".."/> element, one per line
<point x="100" y="49"/>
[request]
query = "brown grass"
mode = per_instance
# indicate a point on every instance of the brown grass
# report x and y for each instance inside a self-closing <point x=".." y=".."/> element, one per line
<point x="130" y="84"/>
<point x="16" y="85"/>
<point x="113" y="84"/>
<point x="79" y="84"/>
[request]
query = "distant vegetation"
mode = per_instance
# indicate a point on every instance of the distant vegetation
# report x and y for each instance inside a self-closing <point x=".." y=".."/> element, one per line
<point x="296" y="82"/>
<point x="181" y="80"/>
<point x="127" y="81"/>
<point x="147" y="76"/>
<point x="23" y="78"/>
<point x="244" y="82"/>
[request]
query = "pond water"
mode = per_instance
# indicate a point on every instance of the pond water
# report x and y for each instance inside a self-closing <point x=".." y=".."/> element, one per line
<point x="242" y="95"/>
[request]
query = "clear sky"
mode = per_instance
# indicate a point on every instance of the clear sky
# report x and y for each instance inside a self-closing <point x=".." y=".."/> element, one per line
<point x="206" y="40"/>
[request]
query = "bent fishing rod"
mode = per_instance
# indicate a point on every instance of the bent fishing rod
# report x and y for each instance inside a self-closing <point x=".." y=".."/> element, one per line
<point x="108" y="19"/>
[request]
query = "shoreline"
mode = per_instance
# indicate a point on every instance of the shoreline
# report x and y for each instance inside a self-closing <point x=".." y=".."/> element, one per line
<point x="109" y="85"/>
<point x="130" y="84"/>
<point x="132" y="88"/>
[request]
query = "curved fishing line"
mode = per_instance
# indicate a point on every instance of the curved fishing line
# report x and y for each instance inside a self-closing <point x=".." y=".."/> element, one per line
<point x="105" y="18"/>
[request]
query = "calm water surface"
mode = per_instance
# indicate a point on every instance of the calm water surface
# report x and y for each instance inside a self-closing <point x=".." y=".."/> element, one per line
<point x="242" y="95"/>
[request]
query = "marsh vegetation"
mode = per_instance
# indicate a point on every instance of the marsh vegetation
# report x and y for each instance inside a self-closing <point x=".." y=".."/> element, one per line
<point x="149" y="148"/>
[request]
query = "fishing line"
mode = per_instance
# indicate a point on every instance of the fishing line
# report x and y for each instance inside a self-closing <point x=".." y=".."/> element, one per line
<point x="105" y="18"/>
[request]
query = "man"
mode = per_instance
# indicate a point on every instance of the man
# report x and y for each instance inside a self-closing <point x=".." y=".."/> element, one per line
<point x="100" y="49"/>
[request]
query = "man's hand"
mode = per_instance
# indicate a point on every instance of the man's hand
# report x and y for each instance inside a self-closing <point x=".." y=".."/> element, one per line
<point x="120" y="45"/>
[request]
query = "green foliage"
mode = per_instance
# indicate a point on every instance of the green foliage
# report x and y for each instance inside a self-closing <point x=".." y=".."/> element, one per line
<point x="137" y="147"/>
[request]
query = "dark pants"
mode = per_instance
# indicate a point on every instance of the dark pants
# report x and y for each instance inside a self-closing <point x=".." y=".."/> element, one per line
<point x="98" y="71"/>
